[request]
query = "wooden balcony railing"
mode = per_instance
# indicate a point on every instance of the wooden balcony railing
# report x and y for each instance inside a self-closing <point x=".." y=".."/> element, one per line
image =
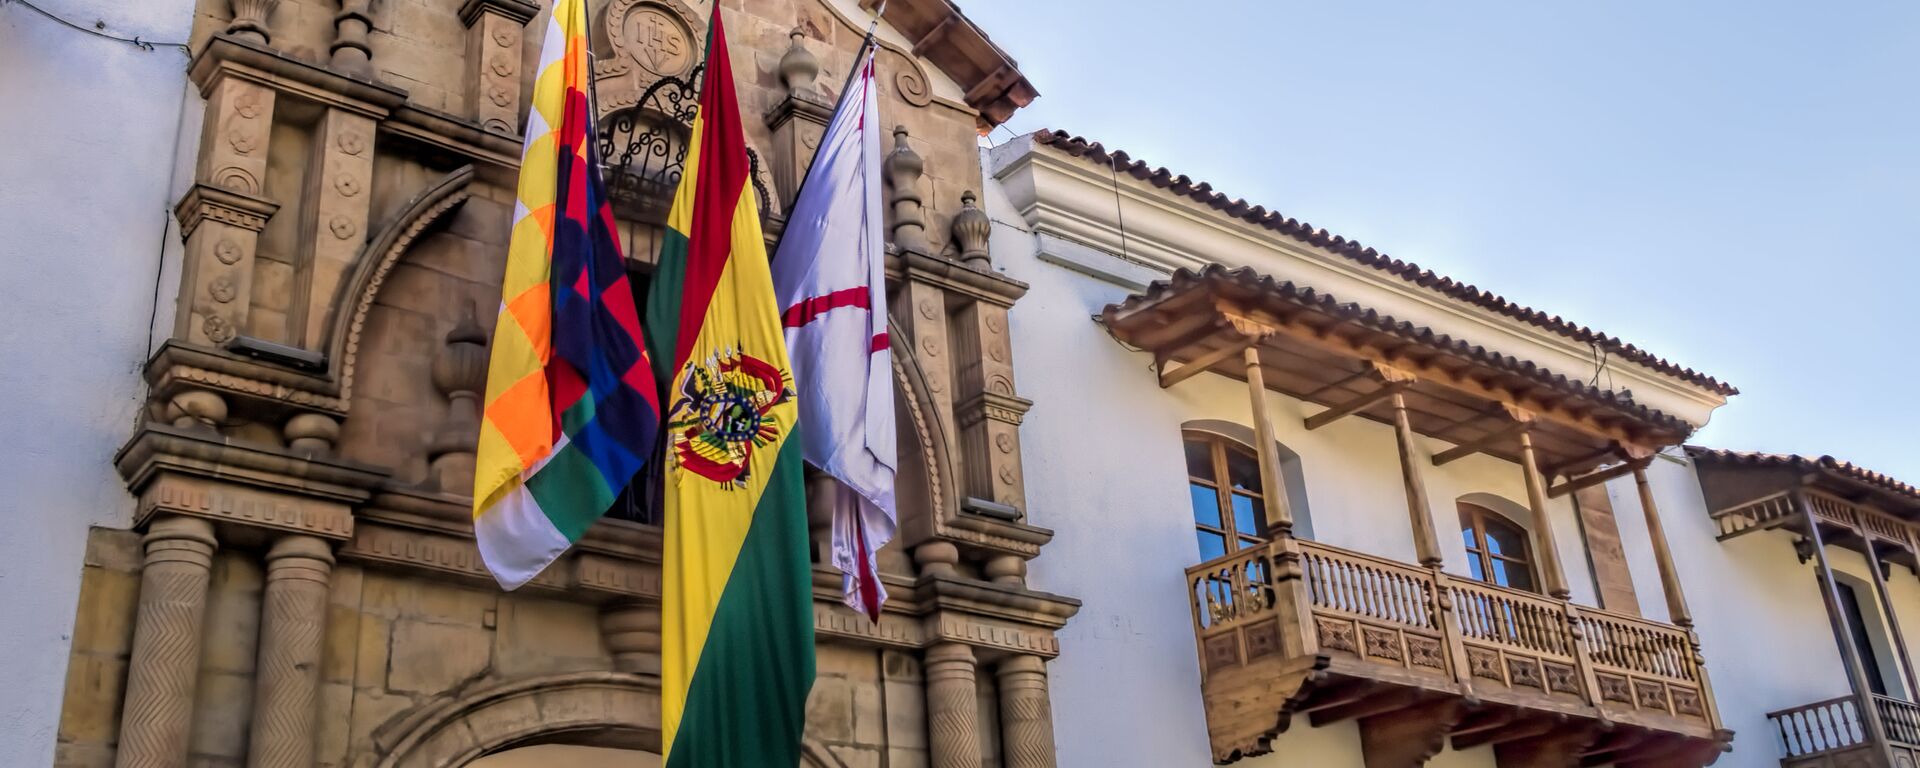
<point x="1376" y="620"/>
<point x="1836" y="732"/>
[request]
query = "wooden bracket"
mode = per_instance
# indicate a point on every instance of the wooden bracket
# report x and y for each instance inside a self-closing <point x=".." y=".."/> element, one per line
<point x="1356" y="405"/>
<point x="1597" y="477"/>
<point x="1466" y="449"/>
<point x="1408" y="738"/>
<point x="1199" y="364"/>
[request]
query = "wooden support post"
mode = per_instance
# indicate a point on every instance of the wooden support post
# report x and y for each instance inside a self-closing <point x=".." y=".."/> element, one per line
<point x="1662" y="555"/>
<point x="1272" y="490"/>
<point x="1874" y="564"/>
<point x="1551" y="573"/>
<point x="1426" y="543"/>
<point x="1843" y="631"/>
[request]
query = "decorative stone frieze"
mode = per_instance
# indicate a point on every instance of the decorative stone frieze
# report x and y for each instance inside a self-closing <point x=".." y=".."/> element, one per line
<point x="173" y="494"/>
<point x="495" y="32"/>
<point x="333" y="220"/>
<point x="164" y="666"/>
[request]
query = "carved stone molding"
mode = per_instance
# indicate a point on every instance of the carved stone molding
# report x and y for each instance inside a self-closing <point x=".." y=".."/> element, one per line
<point x="437" y="734"/>
<point x="240" y="505"/>
<point x="227" y="56"/>
<point x="207" y="202"/>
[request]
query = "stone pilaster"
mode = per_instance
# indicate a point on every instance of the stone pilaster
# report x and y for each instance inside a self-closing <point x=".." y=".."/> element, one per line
<point x="953" y="707"/>
<point x="165" y="662"/>
<point x="495" y="31"/>
<point x="293" y="615"/>
<point x="988" y="414"/>
<point x="222" y="215"/>
<point x="1026" y="714"/>
<point x="333" y="222"/>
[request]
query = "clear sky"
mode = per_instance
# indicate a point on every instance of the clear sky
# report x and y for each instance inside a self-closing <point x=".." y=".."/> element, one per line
<point x="1733" y="185"/>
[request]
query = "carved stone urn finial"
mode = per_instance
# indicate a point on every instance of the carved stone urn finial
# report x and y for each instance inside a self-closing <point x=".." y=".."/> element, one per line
<point x="798" y="67"/>
<point x="250" y="18"/>
<point x="460" y="373"/>
<point x="970" y="232"/>
<point x="904" y="167"/>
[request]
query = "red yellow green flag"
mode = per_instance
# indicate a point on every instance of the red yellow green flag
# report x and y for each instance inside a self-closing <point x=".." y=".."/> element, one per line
<point x="736" y="613"/>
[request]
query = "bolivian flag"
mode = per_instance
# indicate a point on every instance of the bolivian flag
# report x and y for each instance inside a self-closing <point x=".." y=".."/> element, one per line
<point x="736" y="616"/>
<point x="572" y="404"/>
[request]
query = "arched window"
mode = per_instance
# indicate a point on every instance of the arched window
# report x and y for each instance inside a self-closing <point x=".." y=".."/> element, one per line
<point x="1223" y="483"/>
<point x="1497" y="549"/>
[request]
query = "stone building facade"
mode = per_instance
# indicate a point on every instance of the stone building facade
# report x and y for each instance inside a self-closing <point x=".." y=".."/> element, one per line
<point x="298" y="585"/>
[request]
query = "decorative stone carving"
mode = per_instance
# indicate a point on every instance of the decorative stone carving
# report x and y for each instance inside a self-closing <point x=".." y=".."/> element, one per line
<point x="971" y="230"/>
<point x="172" y="494"/>
<point x="988" y="413"/>
<point x="350" y="52"/>
<point x="495" y="29"/>
<point x="1026" y="714"/>
<point x="293" y="615"/>
<point x="311" y="433"/>
<point x="953" y="707"/>
<point x="251" y="18"/>
<point x="632" y="634"/>
<point x="460" y="373"/>
<point x="936" y="558"/>
<point x="222" y="215"/>
<point x="904" y="168"/>
<point x="1010" y="570"/>
<point x="165" y="662"/>
<point x="197" y="408"/>
<point x="798" y="67"/>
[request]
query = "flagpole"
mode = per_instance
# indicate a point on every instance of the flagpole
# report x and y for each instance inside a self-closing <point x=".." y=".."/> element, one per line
<point x="853" y="72"/>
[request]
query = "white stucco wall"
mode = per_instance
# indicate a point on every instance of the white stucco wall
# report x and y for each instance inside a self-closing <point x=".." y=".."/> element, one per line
<point x="90" y="136"/>
<point x="1127" y="685"/>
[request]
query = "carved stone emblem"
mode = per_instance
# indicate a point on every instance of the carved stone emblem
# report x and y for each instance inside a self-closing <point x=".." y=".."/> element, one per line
<point x="247" y="105"/>
<point x="1381" y="643"/>
<point x="503" y="38"/>
<point x="1335" y="634"/>
<point x="346" y="185"/>
<point x="342" y="227"/>
<point x="651" y="35"/>
<point x="351" y="143"/>
<point x="242" y="140"/>
<point x="226" y="251"/>
<point x="1004" y="442"/>
<point x="222" y="290"/>
<point x="501" y="65"/>
<point x="217" y="329"/>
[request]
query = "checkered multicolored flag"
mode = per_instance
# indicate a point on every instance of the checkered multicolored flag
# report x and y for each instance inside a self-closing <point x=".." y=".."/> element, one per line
<point x="572" y="407"/>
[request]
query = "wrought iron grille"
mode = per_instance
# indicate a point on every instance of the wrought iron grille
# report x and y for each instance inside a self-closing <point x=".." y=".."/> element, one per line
<point x="644" y="149"/>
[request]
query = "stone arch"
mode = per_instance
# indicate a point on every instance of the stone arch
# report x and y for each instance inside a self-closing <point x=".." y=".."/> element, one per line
<point x="369" y="271"/>
<point x="926" y="463"/>
<point x="1292" y="474"/>
<point x="591" y="708"/>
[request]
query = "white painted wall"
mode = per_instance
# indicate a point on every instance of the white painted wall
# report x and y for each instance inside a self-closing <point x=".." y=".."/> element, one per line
<point x="1127" y="686"/>
<point x="88" y="150"/>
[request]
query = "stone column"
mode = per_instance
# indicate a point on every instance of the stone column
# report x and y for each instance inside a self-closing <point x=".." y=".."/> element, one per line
<point x="1026" y="714"/>
<point x="953" y="707"/>
<point x="1554" y="578"/>
<point x="222" y="215"/>
<point x="495" y="29"/>
<point x="165" y="662"/>
<point x="293" y="617"/>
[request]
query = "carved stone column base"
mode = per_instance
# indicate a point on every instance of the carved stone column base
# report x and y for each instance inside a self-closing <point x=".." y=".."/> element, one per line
<point x="165" y="662"/>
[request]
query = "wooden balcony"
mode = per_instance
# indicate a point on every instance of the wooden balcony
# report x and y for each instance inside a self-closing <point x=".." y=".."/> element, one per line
<point x="1419" y="657"/>
<point x="1834" y="734"/>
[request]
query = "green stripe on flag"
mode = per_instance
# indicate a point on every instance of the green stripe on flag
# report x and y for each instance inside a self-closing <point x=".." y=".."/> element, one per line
<point x="663" y="308"/>
<point x="571" y="491"/>
<point x="747" y="703"/>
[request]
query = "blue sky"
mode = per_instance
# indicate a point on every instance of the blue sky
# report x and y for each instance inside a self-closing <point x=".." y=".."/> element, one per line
<point x="1732" y="185"/>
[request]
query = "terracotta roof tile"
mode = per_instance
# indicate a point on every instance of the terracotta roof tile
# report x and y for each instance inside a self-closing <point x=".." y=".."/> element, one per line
<point x="1203" y="193"/>
<point x="1825" y="464"/>
<point x="1620" y="401"/>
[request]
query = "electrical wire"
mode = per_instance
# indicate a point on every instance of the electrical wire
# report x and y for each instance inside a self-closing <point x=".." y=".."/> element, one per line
<point x="96" y="30"/>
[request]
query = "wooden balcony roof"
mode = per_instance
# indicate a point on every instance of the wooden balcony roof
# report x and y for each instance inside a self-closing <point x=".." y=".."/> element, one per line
<point x="1856" y="508"/>
<point x="1345" y="356"/>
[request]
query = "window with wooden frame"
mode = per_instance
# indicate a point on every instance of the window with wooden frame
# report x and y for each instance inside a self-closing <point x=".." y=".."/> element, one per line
<point x="1497" y="549"/>
<point x="1223" y="484"/>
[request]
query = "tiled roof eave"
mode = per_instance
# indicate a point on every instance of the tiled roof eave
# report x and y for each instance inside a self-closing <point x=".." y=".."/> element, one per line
<point x="1827" y="465"/>
<point x="1202" y="192"/>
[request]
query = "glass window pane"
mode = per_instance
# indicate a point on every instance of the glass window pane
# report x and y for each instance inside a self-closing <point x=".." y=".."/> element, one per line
<point x="1500" y="575"/>
<point x="1246" y="516"/>
<point x="1249" y="541"/>
<point x="1243" y="470"/>
<point x="1519" y="576"/>
<point x="1467" y="533"/>
<point x="1200" y="459"/>
<point x="1206" y="505"/>
<point x="1507" y="540"/>
<point x="1212" y="545"/>
<point x="1473" y="567"/>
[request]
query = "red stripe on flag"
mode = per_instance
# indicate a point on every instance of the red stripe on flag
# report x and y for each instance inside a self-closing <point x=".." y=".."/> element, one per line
<point x="867" y="580"/>
<point x="808" y="309"/>
<point x="720" y="181"/>
<point x="880" y="342"/>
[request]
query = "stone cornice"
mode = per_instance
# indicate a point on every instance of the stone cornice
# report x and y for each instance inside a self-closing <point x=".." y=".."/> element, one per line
<point x="936" y="609"/>
<point x="229" y="56"/>
<point x="158" y="448"/>
<point x="991" y="287"/>
<point x="1071" y="199"/>
<point x="207" y="202"/>
<point x="458" y="136"/>
<point x="180" y="365"/>
<point x="519" y="11"/>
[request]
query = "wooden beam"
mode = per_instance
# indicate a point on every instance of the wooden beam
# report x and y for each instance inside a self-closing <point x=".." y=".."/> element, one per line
<point x="1355" y="405"/>
<point x="1560" y="468"/>
<point x="1407" y="738"/>
<point x="1155" y="338"/>
<point x="1562" y="746"/>
<point x="1382" y="702"/>
<point x="1519" y="727"/>
<point x="1596" y="478"/>
<point x="1200" y="364"/>
<point x="1466" y="449"/>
